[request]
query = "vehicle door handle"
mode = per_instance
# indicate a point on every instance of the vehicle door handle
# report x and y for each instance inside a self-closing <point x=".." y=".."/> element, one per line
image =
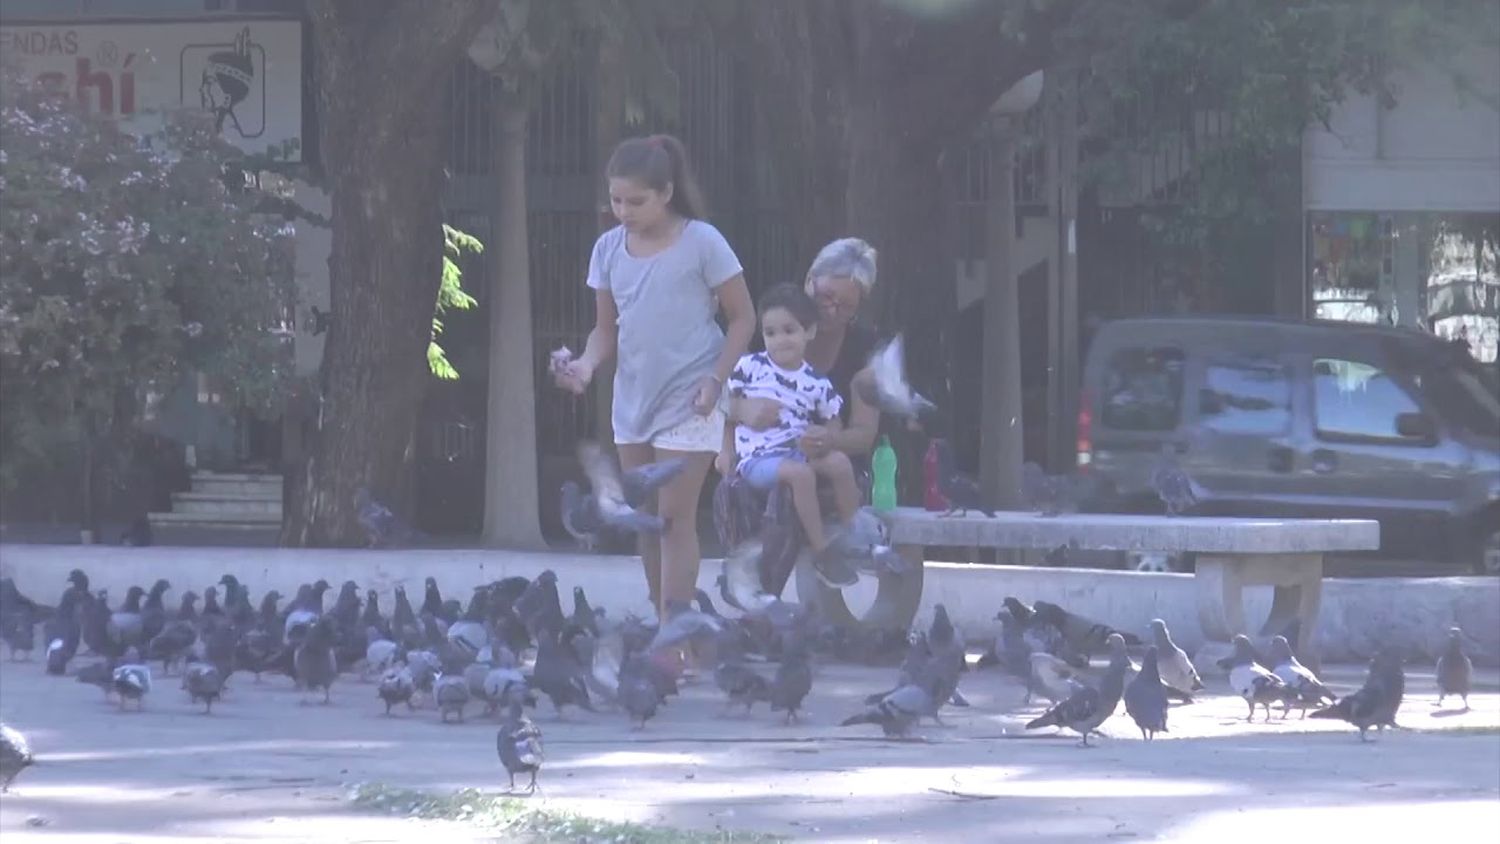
<point x="1279" y="459"/>
<point x="1324" y="461"/>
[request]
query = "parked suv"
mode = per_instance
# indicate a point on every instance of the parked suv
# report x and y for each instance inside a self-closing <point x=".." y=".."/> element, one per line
<point x="1302" y="419"/>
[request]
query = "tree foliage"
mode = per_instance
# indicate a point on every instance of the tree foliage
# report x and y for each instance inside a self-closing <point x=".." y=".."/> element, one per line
<point x="124" y="266"/>
<point x="451" y="294"/>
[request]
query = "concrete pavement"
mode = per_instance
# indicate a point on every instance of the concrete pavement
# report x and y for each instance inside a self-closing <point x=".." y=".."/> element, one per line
<point x="266" y="767"/>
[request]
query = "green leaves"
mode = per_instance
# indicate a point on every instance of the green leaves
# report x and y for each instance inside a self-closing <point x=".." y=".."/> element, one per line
<point x="123" y="266"/>
<point x="451" y="294"/>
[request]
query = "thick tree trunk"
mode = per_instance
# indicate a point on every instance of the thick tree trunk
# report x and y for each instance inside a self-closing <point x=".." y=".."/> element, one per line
<point x="512" y="515"/>
<point x="381" y="69"/>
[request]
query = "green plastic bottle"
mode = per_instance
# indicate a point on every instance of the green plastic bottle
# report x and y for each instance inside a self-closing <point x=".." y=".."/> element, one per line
<point x="883" y="467"/>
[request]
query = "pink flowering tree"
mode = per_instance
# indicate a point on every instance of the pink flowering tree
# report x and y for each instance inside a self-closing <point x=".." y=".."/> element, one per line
<point x="125" y="265"/>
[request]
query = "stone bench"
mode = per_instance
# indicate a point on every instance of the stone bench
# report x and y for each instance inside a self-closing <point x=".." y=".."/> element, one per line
<point x="1285" y="554"/>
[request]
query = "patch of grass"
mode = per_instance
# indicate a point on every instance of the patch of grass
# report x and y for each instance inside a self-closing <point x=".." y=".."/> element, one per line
<point x="526" y="820"/>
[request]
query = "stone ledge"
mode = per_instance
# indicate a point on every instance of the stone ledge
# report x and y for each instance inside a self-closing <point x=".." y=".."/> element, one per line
<point x="1357" y="615"/>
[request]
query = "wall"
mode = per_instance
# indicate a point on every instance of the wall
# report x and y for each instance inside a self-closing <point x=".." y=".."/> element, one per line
<point x="1438" y="149"/>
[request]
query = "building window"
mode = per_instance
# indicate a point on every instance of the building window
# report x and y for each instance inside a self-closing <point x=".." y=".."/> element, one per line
<point x="1434" y="271"/>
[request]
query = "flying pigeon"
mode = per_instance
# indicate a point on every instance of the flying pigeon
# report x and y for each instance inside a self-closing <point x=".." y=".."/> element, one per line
<point x="886" y="387"/>
<point x="1052" y="678"/>
<point x="1454" y="669"/>
<point x="609" y="497"/>
<point x="1146" y="698"/>
<point x="1303" y="689"/>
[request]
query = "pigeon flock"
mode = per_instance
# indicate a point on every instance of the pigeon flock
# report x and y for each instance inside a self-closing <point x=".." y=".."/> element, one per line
<point x="513" y="644"/>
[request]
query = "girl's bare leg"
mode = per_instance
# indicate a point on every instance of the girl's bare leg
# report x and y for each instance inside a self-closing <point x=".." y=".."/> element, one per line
<point x="678" y="553"/>
<point x="632" y="456"/>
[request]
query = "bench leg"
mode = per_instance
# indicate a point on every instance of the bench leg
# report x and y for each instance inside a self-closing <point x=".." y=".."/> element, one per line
<point x="896" y="599"/>
<point x="1297" y="581"/>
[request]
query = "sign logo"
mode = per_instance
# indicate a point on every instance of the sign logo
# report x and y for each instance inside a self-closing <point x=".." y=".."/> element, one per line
<point x="230" y="85"/>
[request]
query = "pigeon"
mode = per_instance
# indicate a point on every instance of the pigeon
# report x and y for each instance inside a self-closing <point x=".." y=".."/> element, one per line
<point x="1086" y="709"/>
<point x="558" y="675"/>
<point x="504" y="683"/>
<point x="607" y="492"/>
<point x="961" y="491"/>
<point x="19" y="631"/>
<point x="519" y="745"/>
<point x="683" y="626"/>
<point x="741" y="684"/>
<point x="1052" y="678"/>
<point x="897" y="712"/>
<point x="1049" y="495"/>
<point x="470" y="630"/>
<point x="1303" y="689"/>
<point x="1177" y="671"/>
<point x="380" y="653"/>
<point x="451" y="693"/>
<point x="863" y="544"/>
<point x="886" y="387"/>
<point x="638" y="693"/>
<point x="1250" y="680"/>
<point x="581" y="513"/>
<point x="396" y="686"/>
<point x="204" y="682"/>
<point x="126" y="626"/>
<point x="131" y="679"/>
<point x="1146" y="698"/>
<point x="15" y="755"/>
<point x="382" y="527"/>
<point x="313" y="660"/>
<point x="1376" y="702"/>
<point x="1177" y="491"/>
<point x="174" y="642"/>
<point x="793" y="680"/>
<point x="1083" y="634"/>
<point x="584" y="616"/>
<point x="1454" y="669"/>
<point x="153" y="613"/>
<point x="539" y="607"/>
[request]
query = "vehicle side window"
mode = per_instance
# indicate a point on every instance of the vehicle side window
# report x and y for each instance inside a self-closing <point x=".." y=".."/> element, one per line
<point x="1143" y="390"/>
<point x="1357" y="400"/>
<point x="1250" y="397"/>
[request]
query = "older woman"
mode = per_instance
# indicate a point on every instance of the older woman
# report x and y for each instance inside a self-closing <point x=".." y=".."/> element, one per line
<point x="841" y="277"/>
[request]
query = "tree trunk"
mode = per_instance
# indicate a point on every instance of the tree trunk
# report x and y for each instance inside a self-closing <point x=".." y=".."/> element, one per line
<point x="381" y="69"/>
<point x="1002" y="421"/>
<point x="512" y="516"/>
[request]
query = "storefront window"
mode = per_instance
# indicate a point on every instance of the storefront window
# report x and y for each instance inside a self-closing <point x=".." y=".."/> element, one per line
<point x="1424" y="270"/>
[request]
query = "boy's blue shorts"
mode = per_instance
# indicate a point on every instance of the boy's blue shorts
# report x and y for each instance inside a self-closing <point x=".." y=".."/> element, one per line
<point x="760" y="470"/>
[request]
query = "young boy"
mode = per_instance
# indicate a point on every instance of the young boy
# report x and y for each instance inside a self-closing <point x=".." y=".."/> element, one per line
<point x="766" y="457"/>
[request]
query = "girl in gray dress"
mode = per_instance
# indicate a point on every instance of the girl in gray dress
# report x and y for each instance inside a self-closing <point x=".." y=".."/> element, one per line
<point x="658" y="279"/>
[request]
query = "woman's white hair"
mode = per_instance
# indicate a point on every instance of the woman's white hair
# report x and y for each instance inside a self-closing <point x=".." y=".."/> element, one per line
<point x="847" y="257"/>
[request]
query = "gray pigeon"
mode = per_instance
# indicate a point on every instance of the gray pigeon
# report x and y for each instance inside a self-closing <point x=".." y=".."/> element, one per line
<point x="607" y="489"/>
<point x="396" y="686"/>
<point x="15" y="755"/>
<point x="131" y="679"/>
<point x="518" y="743"/>
<point x="1252" y="681"/>
<point x="741" y="684"/>
<point x="1454" y="669"/>
<point x="1303" y="689"/>
<point x="1177" y="491"/>
<point x="793" y="680"/>
<point x="1146" y="697"/>
<point x="451" y="694"/>
<point x="961" y="490"/>
<point x="638" y="694"/>
<point x="313" y="661"/>
<point x="886" y="386"/>
<point x="1052" y="678"/>
<point x="1084" y="711"/>
<point x="897" y="712"/>
<point x="1177" y="671"/>
<point x="204" y="683"/>
<point x="1376" y="702"/>
<point x="684" y="625"/>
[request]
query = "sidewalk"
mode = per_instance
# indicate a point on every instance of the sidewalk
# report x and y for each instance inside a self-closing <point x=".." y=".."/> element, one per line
<point x="263" y="768"/>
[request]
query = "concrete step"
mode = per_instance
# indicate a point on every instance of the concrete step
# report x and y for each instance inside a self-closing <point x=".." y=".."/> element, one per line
<point x="216" y="519"/>
<point x="230" y="505"/>
<point x="221" y="483"/>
